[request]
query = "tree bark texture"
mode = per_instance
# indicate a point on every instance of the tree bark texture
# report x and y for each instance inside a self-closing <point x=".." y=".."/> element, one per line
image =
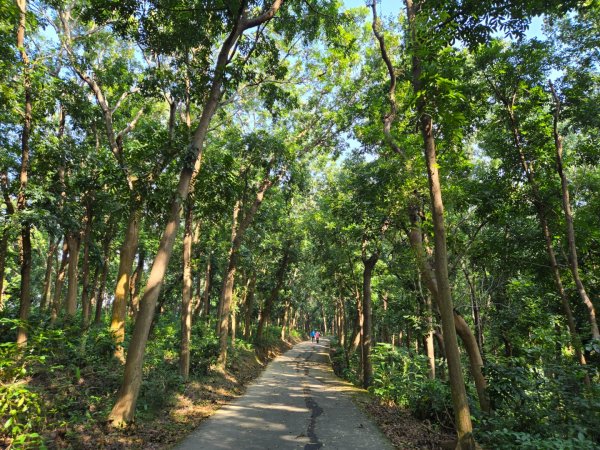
<point x="186" y="301"/>
<point x="119" y="306"/>
<point x="135" y="284"/>
<point x="103" y="277"/>
<point x="249" y="307"/>
<point x="60" y="280"/>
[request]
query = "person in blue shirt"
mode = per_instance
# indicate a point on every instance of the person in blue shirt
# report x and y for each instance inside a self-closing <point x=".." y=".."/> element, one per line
<point x="312" y="336"/>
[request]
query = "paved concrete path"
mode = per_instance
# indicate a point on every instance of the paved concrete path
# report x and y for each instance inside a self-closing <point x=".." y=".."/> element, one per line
<point x="296" y="403"/>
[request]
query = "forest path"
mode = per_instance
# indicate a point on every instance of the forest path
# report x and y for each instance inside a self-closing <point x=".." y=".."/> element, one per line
<point x="296" y="403"/>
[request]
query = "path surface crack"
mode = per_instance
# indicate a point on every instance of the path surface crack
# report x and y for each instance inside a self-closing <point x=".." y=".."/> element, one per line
<point x="315" y="411"/>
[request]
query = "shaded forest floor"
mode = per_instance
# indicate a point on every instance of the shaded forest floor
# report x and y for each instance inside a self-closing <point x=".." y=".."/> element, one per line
<point x="404" y="430"/>
<point x="162" y="425"/>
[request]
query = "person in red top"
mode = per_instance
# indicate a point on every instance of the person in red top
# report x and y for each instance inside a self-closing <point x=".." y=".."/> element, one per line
<point x="317" y="336"/>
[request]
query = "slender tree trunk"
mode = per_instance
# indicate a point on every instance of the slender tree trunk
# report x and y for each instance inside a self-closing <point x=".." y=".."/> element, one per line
<point x="186" y="303"/>
<point x="249" y="308"/>
<point x="475" y="311"/>
<point x="462" y="415"/>
<point x="429" y="337"/>
<point x="124" y="408"/>
<point x="60" y="280"/>
<point x="103" y="277"/>
<point x="25" y="238"/>
<point x="366" y="341"/>
<point x="542" y="217"/>
<point x="73" y="242"/>
<point x="3" y="252"/>
<point x="135" y="284"/>
<point x="286" y="318"/>
<point x="207" y="287"/>
<point x="228" y="280"/>
<point x="46" y="291"/>
<point x="119" y="306"/>
<point x="85" y="269"/>
<point x="566" y="203"/>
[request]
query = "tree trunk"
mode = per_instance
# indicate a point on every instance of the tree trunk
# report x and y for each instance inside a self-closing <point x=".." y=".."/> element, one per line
<point x="228" y="280"/>
<point x="3" y="252"/>
<point x="25" y="238"/>
<point x="366" y="341"/>
<point x="103" y="277"/>
<point x="119" y="306"/>
<point x="542" y="217"/>
<point x="475" y="311"/>
<point x="85" y="269"/>
<point x="186" y="303"/>
<point x="429" y="337"/>
<point x="124" y="408"/>
<point x="462" y="415"/>
<point x="60" y="280"/>
<point x="566" y="203"/>
<point x="73" y="242"/>
<point x="249" y="308"/>
<point x="208" y="277"/>
<point x="135" y="284"/>
<point x="45" y="301"/>
<point x="286" y="318"/>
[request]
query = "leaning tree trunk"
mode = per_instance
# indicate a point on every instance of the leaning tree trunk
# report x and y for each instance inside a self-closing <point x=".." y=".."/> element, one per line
<point x="25" y="238"/>
<point x="119" y="306"/>
<point x="462" y="329"/>
<point x="124" y="408"/>
<point x="186" y="298"/>
<point x="566" y="203"/>
<point x="542" y="217"/>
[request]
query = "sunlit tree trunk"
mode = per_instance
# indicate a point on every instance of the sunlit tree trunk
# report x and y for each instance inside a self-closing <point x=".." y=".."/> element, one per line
<point x="119" y="306"/>
<point x="46" y="291"/>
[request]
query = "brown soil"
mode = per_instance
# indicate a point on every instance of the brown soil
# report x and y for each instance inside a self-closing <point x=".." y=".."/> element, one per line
<point x="402" y="429"/>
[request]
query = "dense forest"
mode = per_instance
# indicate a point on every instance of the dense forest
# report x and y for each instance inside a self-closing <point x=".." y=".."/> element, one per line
<point x="183" y="180"/>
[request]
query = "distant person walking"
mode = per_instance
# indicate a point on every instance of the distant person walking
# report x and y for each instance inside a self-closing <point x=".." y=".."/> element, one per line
<point x="317" y="336"/>
<point x="312" y="336"/>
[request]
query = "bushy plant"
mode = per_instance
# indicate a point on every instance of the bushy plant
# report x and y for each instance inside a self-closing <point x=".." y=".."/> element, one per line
<point x="402" y="377"/>
<point x="204" y="348"/>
